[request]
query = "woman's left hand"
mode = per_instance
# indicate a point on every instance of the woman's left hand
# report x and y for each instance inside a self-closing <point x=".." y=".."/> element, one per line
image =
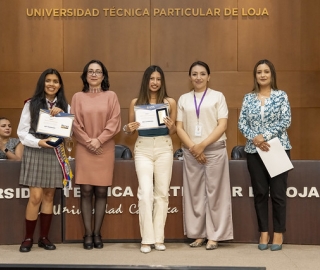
<point x="94" y="145"/>
<point x="99" y="151"/>
<point x="264" y="146"/>
<point x="169" y="123"/>
<point x="201" y="159"/>
<point x="196" y="150"/>
<point x="54" y="111"/>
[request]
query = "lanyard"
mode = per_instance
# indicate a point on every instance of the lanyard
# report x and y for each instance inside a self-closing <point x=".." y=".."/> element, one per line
<point x="195" y="103"/>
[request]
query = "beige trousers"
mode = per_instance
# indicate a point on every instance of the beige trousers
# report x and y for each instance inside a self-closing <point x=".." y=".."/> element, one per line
<point x="207" y="195"/>
<point x="153" y="161"/>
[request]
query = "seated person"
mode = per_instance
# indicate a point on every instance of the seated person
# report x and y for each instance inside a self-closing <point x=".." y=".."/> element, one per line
<point x="10" y="148"/>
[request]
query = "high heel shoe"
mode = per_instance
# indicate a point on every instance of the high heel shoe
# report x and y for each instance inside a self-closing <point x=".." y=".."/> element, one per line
<point x="263" y="246"/>
<point x="197" y="243"/>
<point x="97" y="242"/>
<point x="87" y="242"/>
<point x="276" y="247"/>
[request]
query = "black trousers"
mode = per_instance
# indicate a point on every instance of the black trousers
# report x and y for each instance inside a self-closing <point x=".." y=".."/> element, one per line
<point x="262" y="184"/>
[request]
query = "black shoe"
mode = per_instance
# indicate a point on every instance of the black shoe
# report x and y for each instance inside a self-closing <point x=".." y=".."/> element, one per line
<point x="26" y="245"/>
<point x="45" y="243"/>
<point x="97" y="242"/>
<point x="87" y="242"/>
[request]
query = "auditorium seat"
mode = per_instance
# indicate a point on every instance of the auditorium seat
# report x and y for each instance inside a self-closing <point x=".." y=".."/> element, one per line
<point x="178" y="154"/>
<point x="122" y="152"/>
<point x="238" y="152"/>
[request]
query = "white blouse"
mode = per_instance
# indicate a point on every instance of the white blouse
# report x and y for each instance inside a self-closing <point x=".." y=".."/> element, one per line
<point x="24" y="126"/>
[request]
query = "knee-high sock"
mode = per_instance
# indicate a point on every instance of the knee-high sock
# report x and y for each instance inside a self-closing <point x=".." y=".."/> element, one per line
<point x="30" y="227"/>
<point x="45" y="222"/>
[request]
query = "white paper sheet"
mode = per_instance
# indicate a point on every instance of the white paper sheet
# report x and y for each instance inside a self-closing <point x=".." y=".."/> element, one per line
<point x="59" y="125"/>
<point x="276" y="159"/>
<point x="151" y="116"/>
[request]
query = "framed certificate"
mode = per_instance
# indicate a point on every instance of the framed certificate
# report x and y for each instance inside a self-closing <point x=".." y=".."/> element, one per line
<point x="161" y="114"/>
<point x="59" y="125"/>
<point x="151" y="116"/>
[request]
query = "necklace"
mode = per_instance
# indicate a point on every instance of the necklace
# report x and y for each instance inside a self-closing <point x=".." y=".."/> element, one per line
<point x="95" y="90"/>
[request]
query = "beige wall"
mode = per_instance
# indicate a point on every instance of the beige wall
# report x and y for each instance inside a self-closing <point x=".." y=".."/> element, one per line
<point x="231" y="45"/>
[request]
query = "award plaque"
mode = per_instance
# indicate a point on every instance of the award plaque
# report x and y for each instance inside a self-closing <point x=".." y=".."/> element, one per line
<point x="161" y="114"/>
<point x="151" y="116"/>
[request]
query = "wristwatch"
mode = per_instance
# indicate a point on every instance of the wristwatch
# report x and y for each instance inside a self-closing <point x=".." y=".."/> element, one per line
<point x="125" y="129"/>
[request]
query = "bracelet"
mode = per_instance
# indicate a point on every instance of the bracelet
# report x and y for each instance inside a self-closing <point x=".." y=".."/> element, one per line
<point x="125" y="130"/>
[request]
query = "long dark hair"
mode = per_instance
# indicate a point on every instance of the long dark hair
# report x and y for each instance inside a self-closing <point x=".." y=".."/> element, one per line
<point x="38" y="100"/>
<point x="273" y="83"/>
<point x="105" y="82"/>
<point x="144" y="94"/>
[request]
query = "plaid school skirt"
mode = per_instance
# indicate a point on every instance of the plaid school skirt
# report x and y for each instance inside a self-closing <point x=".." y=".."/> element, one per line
<point x="40" y="168"/>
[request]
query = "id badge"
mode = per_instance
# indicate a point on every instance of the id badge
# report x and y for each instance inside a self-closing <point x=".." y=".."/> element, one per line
<point x="198" y="130"/>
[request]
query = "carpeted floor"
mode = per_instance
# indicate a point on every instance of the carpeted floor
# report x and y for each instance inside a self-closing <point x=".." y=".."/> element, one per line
<point x="179" y="255"/>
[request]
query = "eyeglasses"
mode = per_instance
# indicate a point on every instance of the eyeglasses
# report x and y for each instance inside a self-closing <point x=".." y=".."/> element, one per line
<point x="98" y="73"/>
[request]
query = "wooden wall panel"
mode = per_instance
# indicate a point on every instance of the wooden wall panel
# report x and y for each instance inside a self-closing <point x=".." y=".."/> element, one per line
<point x="16" y="87"/>
<point x="289" y="37"/>
<point x="29" y="43"/>
<point x="310" y="90"/>
<point x="178" y="83"/>
<point x="302" y="87"/>
<point x="304" y="133"/>
<point x="126" y="85"/>
<point x="276" y="37"/>
<point x="121" y="43"/>
<point x="72" y="83"/>
<point x="176" y="42"/>
<point x="310" y="35"/>
<point x="234" y="85"/>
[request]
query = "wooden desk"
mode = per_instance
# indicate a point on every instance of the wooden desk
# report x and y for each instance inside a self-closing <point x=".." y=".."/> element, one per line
<point x="121" y="221"/>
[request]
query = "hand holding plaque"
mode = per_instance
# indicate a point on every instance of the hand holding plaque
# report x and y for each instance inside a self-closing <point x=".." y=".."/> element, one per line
<point x="59" y="125"/>
<point x="151" y="116"/>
